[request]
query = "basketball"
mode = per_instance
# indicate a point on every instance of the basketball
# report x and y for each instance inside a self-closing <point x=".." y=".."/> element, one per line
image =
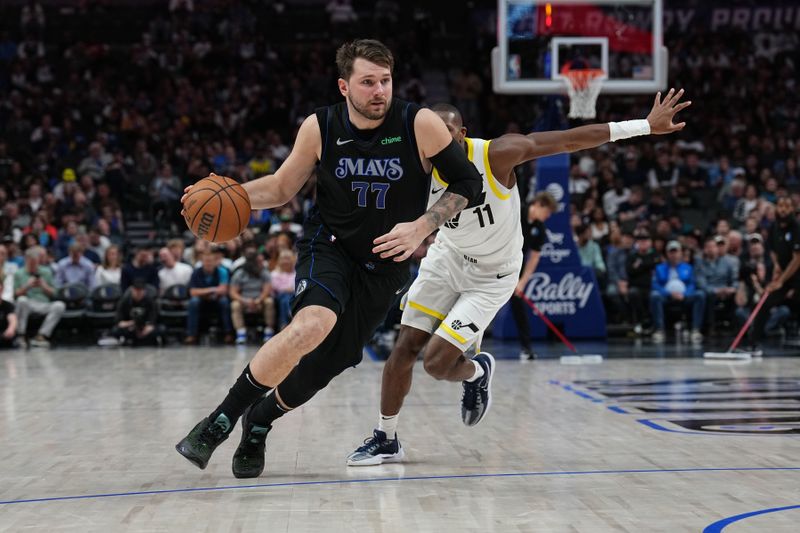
<point x="217" y="209"/>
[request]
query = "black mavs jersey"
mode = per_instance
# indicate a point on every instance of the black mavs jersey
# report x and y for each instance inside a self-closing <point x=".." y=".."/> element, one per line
<point x="366" y="187"/>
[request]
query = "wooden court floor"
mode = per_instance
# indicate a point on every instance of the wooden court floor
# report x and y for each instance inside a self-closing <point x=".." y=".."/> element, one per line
<point x="634" y="445"/>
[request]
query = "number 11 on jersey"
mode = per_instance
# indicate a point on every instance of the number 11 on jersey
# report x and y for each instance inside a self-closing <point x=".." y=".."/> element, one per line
<point x="489" y="216"/>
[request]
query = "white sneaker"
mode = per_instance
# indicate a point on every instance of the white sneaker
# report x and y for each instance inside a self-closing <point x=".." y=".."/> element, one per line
<point x="108" y="341"/>
<point x="659" y="337"/>
<point x="697" y="337"/>
<point x="40" y="341"/>
<point x="637" y="329"/>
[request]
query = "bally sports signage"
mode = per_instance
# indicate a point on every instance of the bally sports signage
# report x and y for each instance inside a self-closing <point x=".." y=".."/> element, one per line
<point x="565" y="297"/>
<point x="563" y="290"/>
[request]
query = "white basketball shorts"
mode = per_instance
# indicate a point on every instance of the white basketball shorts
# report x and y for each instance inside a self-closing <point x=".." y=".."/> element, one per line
<point x="456" y="297"/>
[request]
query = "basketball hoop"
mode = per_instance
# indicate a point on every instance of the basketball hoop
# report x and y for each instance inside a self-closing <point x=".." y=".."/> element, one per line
<point x="583" y="87"/>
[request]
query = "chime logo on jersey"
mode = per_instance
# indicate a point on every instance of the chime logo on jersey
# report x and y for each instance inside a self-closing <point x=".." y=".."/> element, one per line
<point x="384" y="168"/>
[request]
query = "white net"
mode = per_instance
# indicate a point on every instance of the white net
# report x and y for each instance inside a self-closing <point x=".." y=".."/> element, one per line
<point x="583" y="87"/>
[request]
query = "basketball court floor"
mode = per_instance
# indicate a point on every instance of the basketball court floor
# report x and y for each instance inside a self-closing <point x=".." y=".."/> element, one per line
<point x="664" y="443"/>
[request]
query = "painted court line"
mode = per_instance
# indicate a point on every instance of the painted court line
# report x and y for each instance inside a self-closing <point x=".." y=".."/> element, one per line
<point x="393" y="479"/>
<point x="717" y="527"/>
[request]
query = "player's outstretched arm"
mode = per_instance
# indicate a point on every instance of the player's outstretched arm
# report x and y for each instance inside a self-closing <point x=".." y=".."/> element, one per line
<point x="465" y="184"/>
<point x="274" y="190"/>
<point x="510" y="150"/>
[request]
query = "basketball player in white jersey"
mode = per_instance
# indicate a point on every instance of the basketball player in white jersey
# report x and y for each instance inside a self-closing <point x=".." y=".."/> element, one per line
<point x="470" y="271"/>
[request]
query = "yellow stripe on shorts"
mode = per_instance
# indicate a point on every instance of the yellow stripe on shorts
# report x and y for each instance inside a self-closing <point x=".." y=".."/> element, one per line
<point x="452" y="333"/>
<point x="429" y="312"/>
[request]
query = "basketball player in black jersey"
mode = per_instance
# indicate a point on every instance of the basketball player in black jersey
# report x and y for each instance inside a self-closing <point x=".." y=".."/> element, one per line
<point x="373" y="155"/>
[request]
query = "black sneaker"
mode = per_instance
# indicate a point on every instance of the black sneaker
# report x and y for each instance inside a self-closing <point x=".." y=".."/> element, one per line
<point x="201" y="441"/>
<point x="526" y="354"/>
<point x="477" y="397"/>
<point x="248" y="460"/>
<point x="377" y="450"/>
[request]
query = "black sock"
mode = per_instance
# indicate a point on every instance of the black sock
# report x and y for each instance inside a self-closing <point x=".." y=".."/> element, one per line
<point x="267" y="411"/>
<point x="244" y="392"/>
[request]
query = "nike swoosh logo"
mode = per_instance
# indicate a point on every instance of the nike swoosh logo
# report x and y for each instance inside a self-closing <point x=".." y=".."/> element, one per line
<point x="504" y="275"/>
<point x="434" y="191"/>
<point x="340" y="142"/>
<point x="399" y="291"/>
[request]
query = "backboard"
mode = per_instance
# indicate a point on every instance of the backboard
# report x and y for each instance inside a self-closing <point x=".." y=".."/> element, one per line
<point x="537" y="39"/>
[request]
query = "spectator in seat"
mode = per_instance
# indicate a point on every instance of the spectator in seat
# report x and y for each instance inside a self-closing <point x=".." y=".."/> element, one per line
<point x="614" y="197"/>
<point x="34" y="290"/>
<point x="283" y="278"/>
<point x="630" y="172"/>
<point x="7" y="270"/>
<point x="8" y="321"/>
<point x="639" y="267"/>
<point x="83" y="239"/>
<point x="754" y="276"/>
<point x="663" y="175"/>
<point x="165" y="192"/>
<point x="286" y="224"/>
<point x="599" y="225"/>
<point x="632" y="210"/>
<point x="717" y="278"/>
<point x="65" y="238"/>
<point x="590" y="253"/>
<point x="617" y="289"/>
<point x="95" y="163"/>
<point x="98" y="243"/>
<point x="208" y="289"/>
<point x="172" y="272"/>
<point x="136" y="318"/>
<point x="177" y="248"/>
<point x="693" y="173"/>
<point x="75" y="268"/>
<point x="141" y="266"/>
<point x="674" y="281"/>
<point x="251" y="292"/>
<point x="110" y="270"/>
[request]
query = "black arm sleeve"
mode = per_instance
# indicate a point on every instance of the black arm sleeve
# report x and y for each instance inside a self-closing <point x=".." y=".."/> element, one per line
<point x="462" y="176"/>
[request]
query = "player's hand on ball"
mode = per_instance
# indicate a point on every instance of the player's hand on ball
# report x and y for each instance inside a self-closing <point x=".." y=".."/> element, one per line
<point x="399" y="243"/>
<point x="186" y="191"/>
<point x="663" y="112"/>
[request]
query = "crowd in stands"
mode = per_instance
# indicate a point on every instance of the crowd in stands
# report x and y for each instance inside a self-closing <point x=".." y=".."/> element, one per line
<point x="98" y="131"/>
<point x="220" y="286"/>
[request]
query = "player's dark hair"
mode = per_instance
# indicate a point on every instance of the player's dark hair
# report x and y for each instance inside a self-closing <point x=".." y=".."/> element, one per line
<point x="369" y="49"/>
<point x="546" y="199"/>
<point x="447" y="108"/>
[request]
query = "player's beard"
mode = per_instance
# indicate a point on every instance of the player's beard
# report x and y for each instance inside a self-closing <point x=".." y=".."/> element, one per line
<point x="364" y="110"/>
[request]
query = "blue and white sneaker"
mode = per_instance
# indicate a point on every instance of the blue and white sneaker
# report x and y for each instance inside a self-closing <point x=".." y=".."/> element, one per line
<point x="477" y="396"/>
<point x="377" y="450"/>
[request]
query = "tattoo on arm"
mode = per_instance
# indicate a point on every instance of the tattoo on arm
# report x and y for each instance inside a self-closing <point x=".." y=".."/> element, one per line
<point x="444" y="209"/>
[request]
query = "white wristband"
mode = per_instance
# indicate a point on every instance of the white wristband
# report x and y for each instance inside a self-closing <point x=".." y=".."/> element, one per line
<point x="628" y="129"/>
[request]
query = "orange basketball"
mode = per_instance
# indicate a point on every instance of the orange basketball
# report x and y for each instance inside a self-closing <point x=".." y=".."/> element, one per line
<point x="217" y="209"/>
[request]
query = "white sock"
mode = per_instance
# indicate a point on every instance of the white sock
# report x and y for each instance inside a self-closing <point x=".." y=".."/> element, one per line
<point x="388" y="424"/>
<point x="242" y="331"/>
<point x="478" y="371"/>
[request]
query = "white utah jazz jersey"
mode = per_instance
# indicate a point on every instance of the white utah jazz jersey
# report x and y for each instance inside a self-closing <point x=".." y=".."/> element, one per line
<point x="492" y="230"/>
